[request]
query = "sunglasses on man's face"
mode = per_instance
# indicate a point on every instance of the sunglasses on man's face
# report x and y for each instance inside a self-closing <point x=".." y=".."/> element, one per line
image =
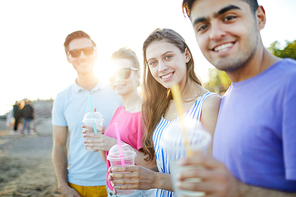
<point x="77" y="52"/>
<point x="123" y="73"/>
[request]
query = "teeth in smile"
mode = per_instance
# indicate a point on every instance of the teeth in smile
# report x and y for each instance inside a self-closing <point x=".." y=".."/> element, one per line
<point x="167" y="76"/>
<point x="83" y="64"/>
<point x="223" y="47"/>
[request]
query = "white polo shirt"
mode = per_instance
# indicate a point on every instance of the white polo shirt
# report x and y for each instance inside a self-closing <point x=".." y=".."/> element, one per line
<point x="86" y="168"/>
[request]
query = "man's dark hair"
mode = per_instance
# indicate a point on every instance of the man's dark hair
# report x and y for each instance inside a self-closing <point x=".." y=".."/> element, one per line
<point x="187" y="6"/>
<point x="76" y="35"/>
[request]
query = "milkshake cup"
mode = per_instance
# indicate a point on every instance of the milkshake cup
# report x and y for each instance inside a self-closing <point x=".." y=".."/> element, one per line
<point x="88" y="122"/>
<point x="174" y="147"/>
<point x="129" y="156"/>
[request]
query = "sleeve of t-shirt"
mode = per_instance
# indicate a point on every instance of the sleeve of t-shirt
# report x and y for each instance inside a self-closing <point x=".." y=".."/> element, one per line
<point x="289" y="129"/>
<point x="140" y="133"/>
<point x="58" y="117"/>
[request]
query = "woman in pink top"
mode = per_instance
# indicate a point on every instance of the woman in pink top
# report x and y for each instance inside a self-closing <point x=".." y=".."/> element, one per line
<point x="124" y="81"/>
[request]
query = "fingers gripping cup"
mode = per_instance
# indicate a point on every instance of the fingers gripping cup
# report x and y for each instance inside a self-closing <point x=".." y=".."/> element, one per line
<point x="129" y="156"/>
<point x="88" y="122"/>
<point x="174" y="147"/>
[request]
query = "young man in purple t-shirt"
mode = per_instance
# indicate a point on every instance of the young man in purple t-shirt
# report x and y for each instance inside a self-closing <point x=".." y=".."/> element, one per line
<point x="254" y="149"/>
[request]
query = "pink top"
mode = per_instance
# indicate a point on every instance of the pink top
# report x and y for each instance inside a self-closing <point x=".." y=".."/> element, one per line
<point x="130" y="128"/>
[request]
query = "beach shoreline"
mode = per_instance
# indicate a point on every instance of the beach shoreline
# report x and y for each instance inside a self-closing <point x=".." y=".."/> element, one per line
<point x="26" y="167"/>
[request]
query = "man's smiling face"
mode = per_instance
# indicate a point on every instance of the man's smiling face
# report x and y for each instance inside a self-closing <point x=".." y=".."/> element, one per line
<point x="226" y="32"/>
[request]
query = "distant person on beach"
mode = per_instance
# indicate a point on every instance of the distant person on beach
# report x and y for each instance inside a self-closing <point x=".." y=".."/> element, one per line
<point x="17" y="114"/>
<point x="28" y="116"/>
<point x="254" y="149"/>
<point x="124" y="80"/>
<point x="10" y="120"/>
<point x="86" y="173"/>
<point x="167" y="61"/>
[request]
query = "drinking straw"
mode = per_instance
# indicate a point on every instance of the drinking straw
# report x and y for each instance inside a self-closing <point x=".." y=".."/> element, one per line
<point x="119" y="144"/>
<point x="178" y="101"/>
<point x="92" y="113"/>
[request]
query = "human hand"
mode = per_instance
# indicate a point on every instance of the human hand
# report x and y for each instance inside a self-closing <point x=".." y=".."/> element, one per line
<point x="98" y="141"/>
<point x="217" y="180"/>
<point x="90" y="129"/>
<point x="137" y="178"/>
<point x="67" y="191"/>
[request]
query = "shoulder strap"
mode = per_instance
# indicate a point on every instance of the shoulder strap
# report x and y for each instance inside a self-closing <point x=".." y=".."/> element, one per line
<point x="195" y="111"/>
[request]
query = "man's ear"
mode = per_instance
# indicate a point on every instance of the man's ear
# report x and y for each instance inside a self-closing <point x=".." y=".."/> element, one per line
<point x="261" y="17"/>
<point x="187" y="55"/>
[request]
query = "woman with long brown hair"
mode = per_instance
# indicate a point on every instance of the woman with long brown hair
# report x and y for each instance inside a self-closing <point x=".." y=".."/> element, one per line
<point x="167" y="61"/>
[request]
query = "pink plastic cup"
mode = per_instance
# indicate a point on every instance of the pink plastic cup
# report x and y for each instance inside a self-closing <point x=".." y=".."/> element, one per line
<point x="129" y="156"/>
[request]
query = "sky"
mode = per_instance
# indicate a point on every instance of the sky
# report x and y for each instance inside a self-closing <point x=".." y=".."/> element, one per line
<point x="33" y="62"/>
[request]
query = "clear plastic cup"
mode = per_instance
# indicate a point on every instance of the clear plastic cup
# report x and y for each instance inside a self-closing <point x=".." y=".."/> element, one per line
<point x="173" y="144"/>
<point x="88" y="122"/>
<point x="129" y="156"/>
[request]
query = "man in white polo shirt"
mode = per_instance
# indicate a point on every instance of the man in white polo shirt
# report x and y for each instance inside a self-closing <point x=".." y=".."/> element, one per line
<point x="86" y="173"/>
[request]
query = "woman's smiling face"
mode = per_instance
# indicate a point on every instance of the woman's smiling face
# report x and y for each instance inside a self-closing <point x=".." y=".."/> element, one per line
<point x="120" y="85"/>
<point x="167" y="63"/>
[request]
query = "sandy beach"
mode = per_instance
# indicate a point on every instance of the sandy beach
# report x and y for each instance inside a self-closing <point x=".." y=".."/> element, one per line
<point x="26" y="167"/>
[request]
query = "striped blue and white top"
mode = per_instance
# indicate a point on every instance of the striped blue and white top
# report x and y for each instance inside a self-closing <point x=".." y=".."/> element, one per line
<point x="162" y="159"/>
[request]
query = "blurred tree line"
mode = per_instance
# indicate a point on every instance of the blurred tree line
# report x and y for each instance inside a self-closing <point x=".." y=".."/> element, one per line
<point x="288" y="52"/>
<point x="219" y="81"/>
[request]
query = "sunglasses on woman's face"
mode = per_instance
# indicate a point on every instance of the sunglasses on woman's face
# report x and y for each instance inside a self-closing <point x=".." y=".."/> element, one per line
<point x="77" y="52"/>
<point x="123" y="73"/>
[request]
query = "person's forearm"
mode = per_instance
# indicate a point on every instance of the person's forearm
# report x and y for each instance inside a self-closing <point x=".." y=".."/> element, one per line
<point x="251" y="191"/>
<point x="103" y="155"/>
<point x="140" y="160"/>
<point x="59" y="157"/>
<point x="163" y="181"/>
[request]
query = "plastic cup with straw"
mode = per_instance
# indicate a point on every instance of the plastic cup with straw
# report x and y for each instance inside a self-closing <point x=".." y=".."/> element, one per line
<point x="121" y="155"/>
<point x="93" y="122"/>
<point x="92" y="114"/>
<point x="176" y="144"/>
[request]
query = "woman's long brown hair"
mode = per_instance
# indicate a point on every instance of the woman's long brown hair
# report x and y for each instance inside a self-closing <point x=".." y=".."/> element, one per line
<point x="156" y="98"/>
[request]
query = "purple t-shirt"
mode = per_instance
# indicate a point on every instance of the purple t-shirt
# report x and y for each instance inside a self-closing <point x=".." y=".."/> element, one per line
<point x="255" y="135"/>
